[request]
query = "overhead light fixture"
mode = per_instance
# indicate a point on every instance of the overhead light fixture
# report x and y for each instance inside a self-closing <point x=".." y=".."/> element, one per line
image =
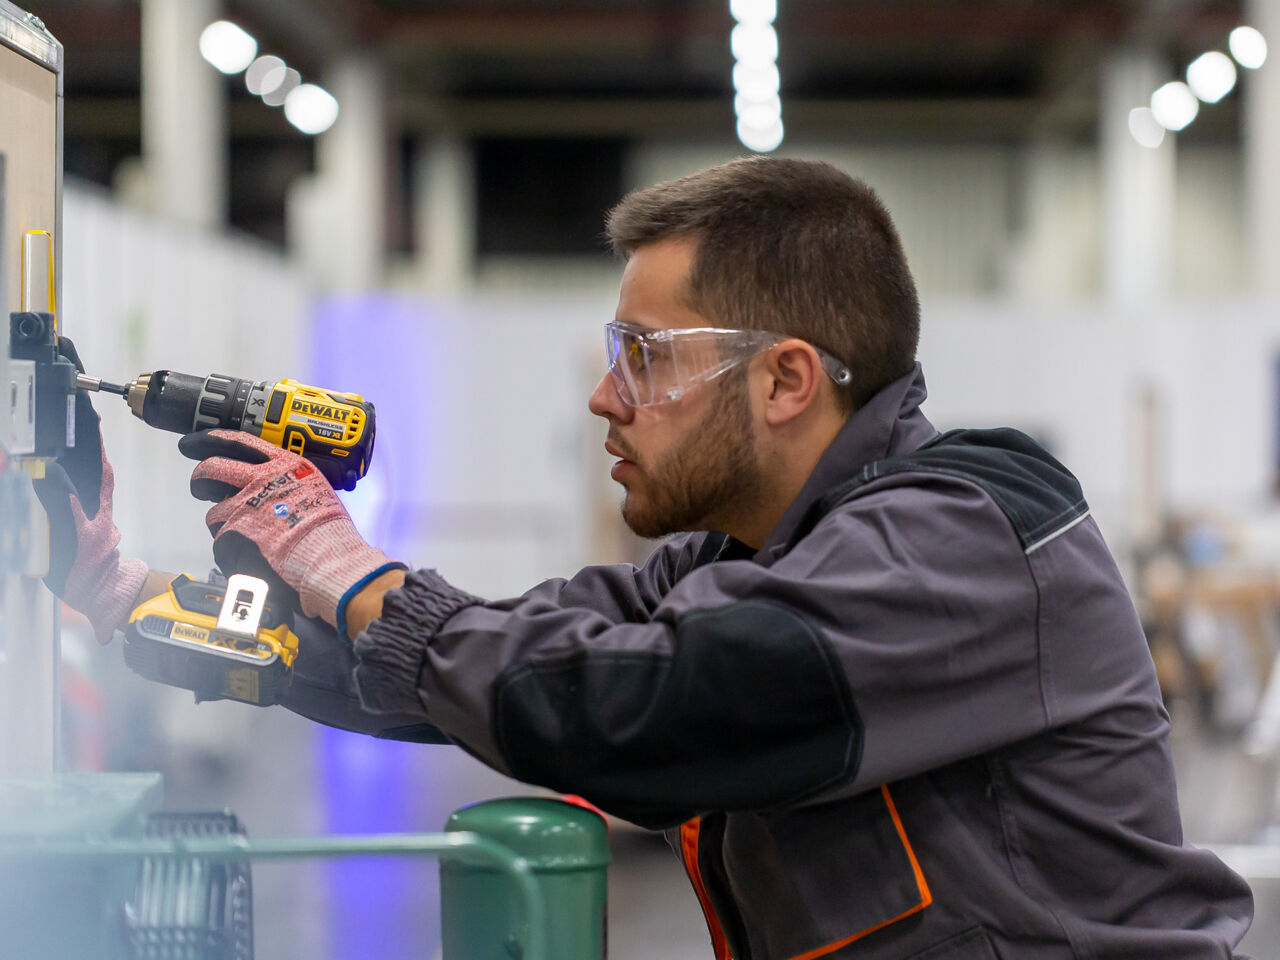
<point x="758" y="113"/>
<point x="761" y="139"/>
<point x="310" y="108"/>
<point x="756" y="81"/>
<point x="1248" y="46"/>
<point x="754" y="11"/>
<point x="755" y="44"/>
<point x="1211" y="76"/>
<point x="1144" y="128"/>
<point x="288" y="81"/>
<point x="1174" y="105"/>
<point x="227" y="46"/>
<point x="264" y="74"/>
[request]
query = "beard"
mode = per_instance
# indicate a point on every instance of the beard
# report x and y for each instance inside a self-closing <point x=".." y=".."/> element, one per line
<point x="712" y="474"/>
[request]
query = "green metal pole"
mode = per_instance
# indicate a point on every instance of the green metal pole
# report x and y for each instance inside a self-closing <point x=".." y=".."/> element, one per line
<point x="567" y="851"/>
<point x="461" y="847"/>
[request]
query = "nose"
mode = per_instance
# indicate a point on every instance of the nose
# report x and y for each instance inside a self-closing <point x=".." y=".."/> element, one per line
<point x="605" y="402"/>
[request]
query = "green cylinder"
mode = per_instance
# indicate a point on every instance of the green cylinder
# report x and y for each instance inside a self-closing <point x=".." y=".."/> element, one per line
<point x="566" y="846"/>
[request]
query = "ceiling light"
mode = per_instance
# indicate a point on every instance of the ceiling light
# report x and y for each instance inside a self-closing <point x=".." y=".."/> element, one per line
<point x="756" y="81"/>
<point x="310" y="108"/>
<point x="1211" y="76"/>
<point x="1174" y="105"/>
<point x="1248" y="46"/>
<point x="227" y="47"/>
<point x="1143" y="126"/>
<point x="754" y="11"/>
<point x="279" y="93"/>
<point x="262" y="69"/>
<point x="761" y="139"/>
<point x="754" y="44"/>
<point x="742" y="104"/>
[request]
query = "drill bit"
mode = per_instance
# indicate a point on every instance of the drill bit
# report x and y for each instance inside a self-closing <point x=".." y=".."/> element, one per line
<point x="95" y="384"/>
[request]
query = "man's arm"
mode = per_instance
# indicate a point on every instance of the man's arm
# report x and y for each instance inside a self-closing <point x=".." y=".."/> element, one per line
<point x="896" y="637"/>
<point x="157" y="582"/>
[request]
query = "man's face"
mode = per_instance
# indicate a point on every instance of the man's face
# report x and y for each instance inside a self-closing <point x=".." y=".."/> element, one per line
<point x="691" y="464"/>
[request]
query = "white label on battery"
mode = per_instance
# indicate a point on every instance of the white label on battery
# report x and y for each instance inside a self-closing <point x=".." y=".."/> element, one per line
<point x="71" y="420"/>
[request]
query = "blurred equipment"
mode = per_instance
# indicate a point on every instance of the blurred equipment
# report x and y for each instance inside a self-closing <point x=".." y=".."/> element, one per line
<point x="43" y="387"/>
<point x="191" y="909"/>
<point x="34" y="414"/>
<point x="89" y="869"/>
<point x="219" y="642"/>
<point x="335" y="431"/>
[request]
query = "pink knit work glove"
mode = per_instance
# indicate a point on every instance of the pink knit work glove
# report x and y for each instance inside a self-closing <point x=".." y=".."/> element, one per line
<point x="275" y="508"/>
<point x="85" y="568"/>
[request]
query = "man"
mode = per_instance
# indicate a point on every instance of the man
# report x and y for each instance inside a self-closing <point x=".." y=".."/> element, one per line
<point x="897" y="705"/>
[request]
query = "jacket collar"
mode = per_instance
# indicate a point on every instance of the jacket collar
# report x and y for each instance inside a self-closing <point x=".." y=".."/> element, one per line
<point x="889" y="424"/>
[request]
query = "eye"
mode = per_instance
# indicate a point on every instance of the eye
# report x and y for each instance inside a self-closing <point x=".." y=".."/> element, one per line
<point x="635" y="356"/>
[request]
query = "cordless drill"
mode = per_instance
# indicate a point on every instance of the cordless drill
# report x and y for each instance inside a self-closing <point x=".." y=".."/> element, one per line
<point x="335" y="431"/>
<point x="226" y="641"/>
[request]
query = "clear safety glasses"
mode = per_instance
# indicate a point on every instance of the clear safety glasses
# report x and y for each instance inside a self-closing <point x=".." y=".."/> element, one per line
<point x="660" y="366"/>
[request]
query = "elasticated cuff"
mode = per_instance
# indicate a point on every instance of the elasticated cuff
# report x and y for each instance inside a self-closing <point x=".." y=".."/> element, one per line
<point x="391" y="649"/>
<point x="356" y="588"/>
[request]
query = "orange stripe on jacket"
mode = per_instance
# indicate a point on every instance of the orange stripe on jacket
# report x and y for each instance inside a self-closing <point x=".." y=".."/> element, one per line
<point x="689" y="850"/>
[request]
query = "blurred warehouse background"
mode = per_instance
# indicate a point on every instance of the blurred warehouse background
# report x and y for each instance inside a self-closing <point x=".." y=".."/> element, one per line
<point x="404" y="198"/>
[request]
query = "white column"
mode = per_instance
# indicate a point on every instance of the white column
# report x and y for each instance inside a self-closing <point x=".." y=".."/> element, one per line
<point x="1137" y="185"/>
<point x="445" y="213"/>
<point x="184" y="135"/>
<point x="1261" y="126"/>
<point x="336" y="219"/>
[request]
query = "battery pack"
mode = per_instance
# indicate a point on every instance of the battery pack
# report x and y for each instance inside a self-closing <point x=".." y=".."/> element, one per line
<point x="220" y="642"/>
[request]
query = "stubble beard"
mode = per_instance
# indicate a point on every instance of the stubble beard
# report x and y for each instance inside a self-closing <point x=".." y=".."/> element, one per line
<point x="713" y="474"/>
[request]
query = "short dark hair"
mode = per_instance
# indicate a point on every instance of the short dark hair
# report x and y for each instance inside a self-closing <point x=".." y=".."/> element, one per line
<point x="795" y="246"/>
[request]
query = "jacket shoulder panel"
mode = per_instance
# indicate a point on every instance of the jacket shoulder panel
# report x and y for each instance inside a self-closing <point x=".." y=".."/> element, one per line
<point x="1038" y="494"/>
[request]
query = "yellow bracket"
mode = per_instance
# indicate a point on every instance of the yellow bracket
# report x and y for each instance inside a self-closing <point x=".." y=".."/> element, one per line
<point x="38" y="291"/>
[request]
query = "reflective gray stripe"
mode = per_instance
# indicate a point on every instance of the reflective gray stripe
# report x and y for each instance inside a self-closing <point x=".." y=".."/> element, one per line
<point x="1057" y="533"/>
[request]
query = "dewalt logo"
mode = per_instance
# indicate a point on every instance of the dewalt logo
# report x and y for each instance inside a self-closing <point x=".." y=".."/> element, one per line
<point x="321" y="410"/>
<point x="184" y="632"/>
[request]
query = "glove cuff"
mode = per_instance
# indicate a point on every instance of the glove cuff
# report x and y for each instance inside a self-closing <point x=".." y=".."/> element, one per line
<point x="326" y="563"/>
<point x="108" y="607"/>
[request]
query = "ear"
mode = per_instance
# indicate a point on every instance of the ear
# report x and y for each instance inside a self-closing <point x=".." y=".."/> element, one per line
<point x="795" y="376"/>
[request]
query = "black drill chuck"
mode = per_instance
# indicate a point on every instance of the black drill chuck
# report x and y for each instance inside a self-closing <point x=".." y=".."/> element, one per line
<point x="335" y="431"/>
<point x="182" y="403"/>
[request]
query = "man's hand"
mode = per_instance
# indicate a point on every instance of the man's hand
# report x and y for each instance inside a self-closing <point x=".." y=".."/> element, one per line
<point x="85" y="568"/>
<point x="274" y="508"/>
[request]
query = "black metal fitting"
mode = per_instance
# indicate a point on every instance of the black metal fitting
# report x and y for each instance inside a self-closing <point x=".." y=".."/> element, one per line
<point x="34" y="337"/>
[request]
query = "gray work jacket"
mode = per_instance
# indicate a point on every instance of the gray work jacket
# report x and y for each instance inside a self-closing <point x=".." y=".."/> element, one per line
<point x="921" y="722"/>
